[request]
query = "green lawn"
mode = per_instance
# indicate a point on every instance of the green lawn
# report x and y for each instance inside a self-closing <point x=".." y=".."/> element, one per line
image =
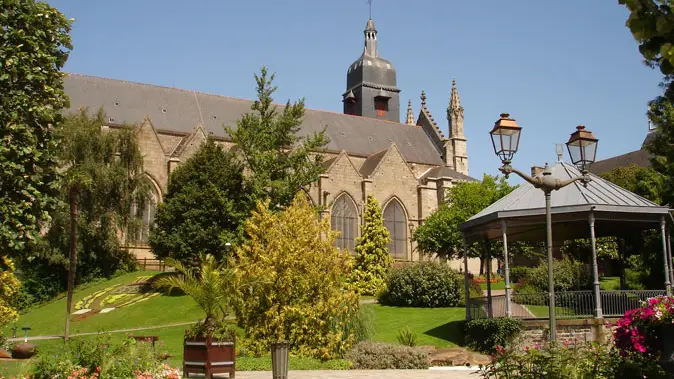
<point x="161" y="310"/>
<point x="609" y="283"/>
<point x="500" y="285"/>
<point x="543" y="310"/>
<point x="440" y="327"/>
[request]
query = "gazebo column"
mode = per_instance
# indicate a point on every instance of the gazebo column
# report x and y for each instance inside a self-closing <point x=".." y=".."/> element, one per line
<point x="669" y="257"/>
<point x="490" y="308"/>
<point x="664" y="251"/>
<point x="595" y="270"/>
<point x="466" y="280"/>
<point x="504" y="230"/>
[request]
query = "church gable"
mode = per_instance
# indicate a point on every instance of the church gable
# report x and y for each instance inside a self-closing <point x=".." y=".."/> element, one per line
<point x="190" y="143"/>
<point x="430" y="127"/>
<point x="148" y="138"/>
<point x="342" y="176"/>
<point x="342" y="164"/>
<point x="387" y="162"/>
<point x="154" y="155"/>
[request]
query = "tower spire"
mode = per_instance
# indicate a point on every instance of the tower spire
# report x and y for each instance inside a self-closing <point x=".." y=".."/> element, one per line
<point x="454" y="106"/>
<point x="457" y="156"/>
<point x="369" y="2"/>
<point x="371" y="40"/>
<point x="410" y="114"/>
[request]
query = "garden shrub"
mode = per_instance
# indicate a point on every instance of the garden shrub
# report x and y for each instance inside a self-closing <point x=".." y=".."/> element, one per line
<point x="300" y="293"/>
<point x="485" y="335"/>
<point x="9" y="288"/>
<point x="518" y="273"/>
<point x="407" y="337"/>
<point x="93" y="358"/>
<point x="642" y="330"/>
<point x="423" y="284"/>
<point x="360" y="326"/>
<point x="373" y="262"/>
<point x="369" y="355"/>
<point x="568" y="275"/>
<point x="577" y="361"/>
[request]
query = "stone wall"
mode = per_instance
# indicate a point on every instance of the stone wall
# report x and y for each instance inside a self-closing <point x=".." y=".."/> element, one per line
<point x="393" y="179"/>
<point x="569" y="331"/>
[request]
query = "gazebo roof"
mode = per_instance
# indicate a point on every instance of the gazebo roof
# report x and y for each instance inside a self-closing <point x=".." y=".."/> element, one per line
<point x="523" y="210"/>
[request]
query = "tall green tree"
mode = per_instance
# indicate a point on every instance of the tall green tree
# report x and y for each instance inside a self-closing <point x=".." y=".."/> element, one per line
<point x="440" y="234"/>
<point x="638" y="251"/>
<point x="280" y="162"/>
<point x="373" y="261"/>
<point x="643" y="181"/>
<point x="204" y="207"/>
<point x="652" y="25"/>
<point x="103" y="177"/>
<point x="34" y="46"/>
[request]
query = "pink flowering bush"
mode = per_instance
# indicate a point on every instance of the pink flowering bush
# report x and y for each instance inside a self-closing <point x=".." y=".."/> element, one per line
<point x="641" y="330"/>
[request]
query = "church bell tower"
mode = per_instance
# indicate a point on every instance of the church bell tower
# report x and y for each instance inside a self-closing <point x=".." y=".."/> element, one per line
<point x="371" y="89"/>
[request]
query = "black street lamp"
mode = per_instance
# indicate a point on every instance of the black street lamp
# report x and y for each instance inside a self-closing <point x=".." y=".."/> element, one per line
<point x="582" y="145"/>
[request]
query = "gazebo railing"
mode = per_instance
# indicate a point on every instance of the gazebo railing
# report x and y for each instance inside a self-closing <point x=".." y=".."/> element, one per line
<point x="568" y="305"/>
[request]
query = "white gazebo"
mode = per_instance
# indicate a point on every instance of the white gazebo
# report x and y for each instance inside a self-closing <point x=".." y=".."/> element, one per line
<point x="598" y="209"/>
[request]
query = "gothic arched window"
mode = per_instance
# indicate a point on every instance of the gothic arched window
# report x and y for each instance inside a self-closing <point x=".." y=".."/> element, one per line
<point x="144" y="211"/>
<point x="344" y="219"/>
<point x="396" y="223"/>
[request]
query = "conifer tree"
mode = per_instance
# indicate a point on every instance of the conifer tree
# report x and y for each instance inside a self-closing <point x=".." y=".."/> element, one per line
<point x="279" y="160"/>
<point x="373" y="261"/>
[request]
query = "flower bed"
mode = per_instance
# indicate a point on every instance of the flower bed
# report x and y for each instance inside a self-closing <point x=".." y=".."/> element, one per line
<point x="643" y="330"/>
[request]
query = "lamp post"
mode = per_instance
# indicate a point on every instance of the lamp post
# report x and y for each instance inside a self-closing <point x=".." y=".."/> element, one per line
<point x="582" y="146"/>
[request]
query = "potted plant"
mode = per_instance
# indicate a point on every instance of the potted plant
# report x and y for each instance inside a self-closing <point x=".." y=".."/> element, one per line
<point x="209" y="345"/>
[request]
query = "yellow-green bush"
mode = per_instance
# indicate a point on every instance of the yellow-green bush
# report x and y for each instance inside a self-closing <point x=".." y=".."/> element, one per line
<point x="373" y="261"/>
<point x="299" y="292"/>
<point x="9" y="288"/>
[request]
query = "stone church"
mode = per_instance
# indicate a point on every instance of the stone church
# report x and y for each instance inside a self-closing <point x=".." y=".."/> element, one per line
<point x="406" y="166"/>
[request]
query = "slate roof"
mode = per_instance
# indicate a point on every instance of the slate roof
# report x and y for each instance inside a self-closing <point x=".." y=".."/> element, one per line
<point x="641" y="158"/>
<point x="599" y="192"/>
<point x="179" y="110"/>
<point x="371" y="163"/>
<point x="570" y="204"/>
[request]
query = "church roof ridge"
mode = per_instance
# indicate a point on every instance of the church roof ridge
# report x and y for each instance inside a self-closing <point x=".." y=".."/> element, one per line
<point x="178" y="110"/>
<point x="225" y="96"/>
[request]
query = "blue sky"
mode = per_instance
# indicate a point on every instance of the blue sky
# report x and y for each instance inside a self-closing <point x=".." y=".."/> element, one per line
<point x="551" y="64"/>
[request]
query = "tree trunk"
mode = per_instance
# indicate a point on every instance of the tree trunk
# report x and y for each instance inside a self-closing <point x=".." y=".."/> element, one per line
<point x="73" y="258"/>
<point x="482" y="264"/>
<point x="621" y="262"/>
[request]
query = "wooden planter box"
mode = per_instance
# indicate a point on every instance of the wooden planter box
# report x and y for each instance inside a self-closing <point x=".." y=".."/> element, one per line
<point x="203" y="355"/>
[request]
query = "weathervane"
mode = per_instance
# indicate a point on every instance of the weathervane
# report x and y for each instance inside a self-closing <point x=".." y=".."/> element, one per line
<point x="369" y="2"/>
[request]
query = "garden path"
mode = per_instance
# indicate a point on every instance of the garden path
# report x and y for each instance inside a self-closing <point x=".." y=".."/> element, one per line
<point x="498" y="304"/>
<point x="454" y="373"/>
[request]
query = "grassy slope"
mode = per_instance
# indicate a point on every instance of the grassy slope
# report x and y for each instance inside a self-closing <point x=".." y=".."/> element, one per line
<point x="440" y="327"/>
<point x="49" y="318"/>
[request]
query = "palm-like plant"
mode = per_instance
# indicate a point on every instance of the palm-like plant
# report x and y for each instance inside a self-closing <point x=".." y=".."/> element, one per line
<point x="209" y="284"/>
